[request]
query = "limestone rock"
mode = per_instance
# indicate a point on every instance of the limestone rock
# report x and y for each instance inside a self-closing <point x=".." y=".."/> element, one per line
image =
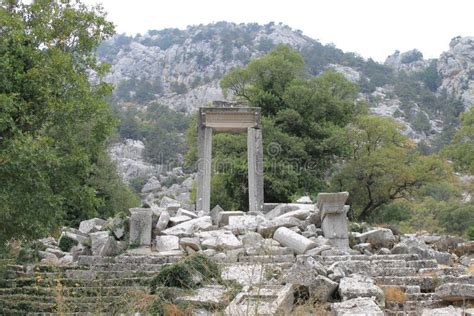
<point x="188" y="228"/>
<point x="293" y="240"/>
<point x="357" y="286"/>
<point x="444" y="311"/>
<point x="322" y="288"/>
<point x="183" y="212"/>
<point x="266" y="229"/>
<point x="357" y="306"/>
<point x="219" y="240"/>
<point x="452" y="292"/>
<point x="91" y="225"/>
<point x="304" y="271"/>
<point x="378" y="237"/>
<point x="251" y="239"/>
<point x="215" y="214"/>
<point x="167" y="243"/>
<point x="175" y="220"/>
<point x="192" y="243"/>
<point x="163" y="221"/>
<point x="140" y="227"/>
<point x="152" y="185"/>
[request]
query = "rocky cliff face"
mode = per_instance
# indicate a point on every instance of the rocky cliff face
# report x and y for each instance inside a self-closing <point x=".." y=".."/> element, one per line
<point x="456" y="67"/>
<point x="184" y="68"/>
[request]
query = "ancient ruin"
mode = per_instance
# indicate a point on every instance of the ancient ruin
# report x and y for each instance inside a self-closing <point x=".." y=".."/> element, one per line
<point x="229" y="120"/>
<point x="278" y="259"/>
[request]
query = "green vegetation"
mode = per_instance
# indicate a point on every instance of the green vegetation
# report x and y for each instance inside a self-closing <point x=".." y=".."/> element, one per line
<point x="66" y="243"/>
<point x="461" y="149"/>
<point x="381" y="166"/>
<point x="302" y="121"/>
<point x="54" y="122"/>
<point x="187" y="274"/>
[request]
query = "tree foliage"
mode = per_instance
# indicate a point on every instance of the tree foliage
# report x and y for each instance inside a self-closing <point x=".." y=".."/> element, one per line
<point x="53" y="121"/>
<point x="461" y="149"/>
<point x="302" y="120"/>
<point x="382" y="166"/>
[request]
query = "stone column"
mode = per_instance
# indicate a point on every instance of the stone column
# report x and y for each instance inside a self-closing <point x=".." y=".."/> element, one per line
<point x="255" y="169"/>
<point x="334" y="218"/>
<point x="203" y="196"/>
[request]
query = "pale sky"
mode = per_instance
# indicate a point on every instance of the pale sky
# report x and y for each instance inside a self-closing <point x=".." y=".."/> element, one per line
<point x="372" y="28"/>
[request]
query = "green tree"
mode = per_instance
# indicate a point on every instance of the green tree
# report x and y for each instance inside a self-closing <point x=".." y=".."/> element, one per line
<point x="382" y="166"/>
<point x="302" y="121"/>
<point x="461" y="149"/>
<point x="53" y="121"/>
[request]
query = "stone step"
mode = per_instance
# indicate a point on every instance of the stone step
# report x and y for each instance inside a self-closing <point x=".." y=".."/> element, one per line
<point x="421" y="264"/>
<point x="267" y="259"/>
<point x="25" y="282"/>
<point x="328" y="260"/>
<point x="25" y="307"/>
<point x="80" y="291"/>
<point x="137" y="260"/>
<point x="440" y="271"/>
<point x="426" y="283"/>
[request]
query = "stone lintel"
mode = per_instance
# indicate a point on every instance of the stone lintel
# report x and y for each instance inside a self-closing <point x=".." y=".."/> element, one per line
<point x="230" y="120"/>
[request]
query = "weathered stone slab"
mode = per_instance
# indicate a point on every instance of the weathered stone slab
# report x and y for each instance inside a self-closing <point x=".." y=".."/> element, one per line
<point x="140" y="227"/>
<point x="223" y="217"/>
<point x="183" y="212"/>
<point x="163" y="221"/>
<point x="210" y="296"/>
<point x="357" y="306"/>
<point x="379" y="237"/>
<point x="244" y="274"/>
<point x="444" y="311"/>
<point x="295" y="241"/>
<point x="322" y="288"/>
<point x="175" y="220"/>
<point x="91" y="225"/>
<point x="187" y="229"/>
<point x="266" y="229"/>
<point x="167" y="243"/>
<point x="266" y="300"/>
<point x="360" y="286"/>
<point x="215" y="214"/>
<point x="243" y="224"/>
<point x="219" y="240"/>
<point x="452" y="292"/>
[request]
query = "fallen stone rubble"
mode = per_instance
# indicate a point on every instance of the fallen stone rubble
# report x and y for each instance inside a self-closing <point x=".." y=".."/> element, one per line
<point x="276" y="256"/>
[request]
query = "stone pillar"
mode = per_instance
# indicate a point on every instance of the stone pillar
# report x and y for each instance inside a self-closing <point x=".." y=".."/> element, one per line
<point x="334" y="218"/>
<point x="255" y="169"/>
<point x="203" y="194"/>
<point x="140" y="227"/>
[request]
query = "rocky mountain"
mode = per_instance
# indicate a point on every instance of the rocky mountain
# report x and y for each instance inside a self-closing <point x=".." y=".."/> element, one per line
<point x="182" y="68"/>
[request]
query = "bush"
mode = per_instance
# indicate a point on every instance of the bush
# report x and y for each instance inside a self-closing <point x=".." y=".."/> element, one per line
<point x="30" y="253"/>
<point x="66" y="243"/>
<point x="470" y="233"/>
<point x="186" y="274"/>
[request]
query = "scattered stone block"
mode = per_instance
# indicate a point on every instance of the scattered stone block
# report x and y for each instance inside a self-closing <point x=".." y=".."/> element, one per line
<point x="211" y="297"/>
<point x="317" y="251"/>
<point x="163" y="221"/>
<point x="244" y="274"/>
<point x="378" y="237"/>
<point x="98" y="239"/>
<point x="251" y="239"/>
<point x="167" y="243"/>
<point x="266" y="229"/>
<point x="357" y="306"/>
<point x="192" y="243"/>
<point x="223" y="217"/>
<point x="183" y="212"/>
<point x="300" y="214"/>
<point x="452" y="292"/>
<point x="175" y="220"/>
<point x="295" y="241"/>
<point x="360" y="286"/>
<point x="152" y="185"/>
<point x="215" y="214"/>
<point x="266" y="300"/>
<point x="304" y="272"/>
<point x="219" y="240"/>
<point x="91" y="225"/>
<point x="140" y="227"/>
<point x="169" y="204"/>
<point x="444" y="311"/>
<point x="242" y="224"/>
<point x="187" y="229"/>
<point x="322" y="288"/>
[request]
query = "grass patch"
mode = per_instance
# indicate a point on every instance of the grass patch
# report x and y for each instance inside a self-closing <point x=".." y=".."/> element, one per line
<point x="394" y="294"/>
